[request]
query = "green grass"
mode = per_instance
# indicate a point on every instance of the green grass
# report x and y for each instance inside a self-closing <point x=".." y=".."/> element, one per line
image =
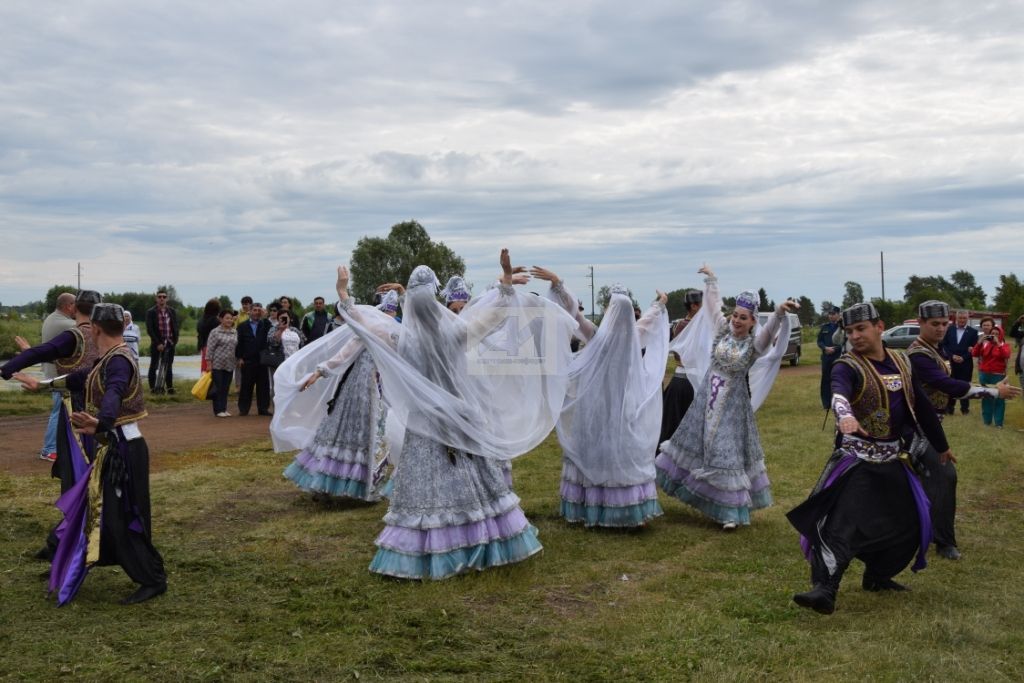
<point x="29" y="403"/>
<point x="265" y="584"/>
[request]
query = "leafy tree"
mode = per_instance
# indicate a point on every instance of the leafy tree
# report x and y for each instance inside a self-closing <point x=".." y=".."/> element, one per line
<point x="854" y="294"/>
<point x="376" y="260"/>
<point x="1009" y="297"/>
<point x="53" y="292"/>
<point x="969" y="293"/>
<point x="806" y="312"/>
<point x="894" y="312"/>
<point x="763" y="303"/>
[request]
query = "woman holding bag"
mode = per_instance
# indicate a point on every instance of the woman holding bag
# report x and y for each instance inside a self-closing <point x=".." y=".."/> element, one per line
<point x="220" y="354"/>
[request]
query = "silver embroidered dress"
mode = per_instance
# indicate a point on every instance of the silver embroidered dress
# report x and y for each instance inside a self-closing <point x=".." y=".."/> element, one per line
<point x="714" y="461"/>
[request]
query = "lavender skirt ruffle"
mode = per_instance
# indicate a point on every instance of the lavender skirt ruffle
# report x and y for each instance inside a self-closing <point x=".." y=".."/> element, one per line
<point x="340" y="475"/>
<point x="611" y="506"/>
<point x="442" y="552"/>
<point x="721" y="505"/>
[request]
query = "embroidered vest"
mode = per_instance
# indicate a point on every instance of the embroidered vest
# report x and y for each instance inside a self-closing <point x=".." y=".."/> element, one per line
<point x="871" y="403"/>
<point x="133" y="405"/>
<point x="936" y="397"/>
<point x="84" y="354"/>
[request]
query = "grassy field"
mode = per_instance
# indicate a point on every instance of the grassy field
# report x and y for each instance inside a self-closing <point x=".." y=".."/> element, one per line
<point x="31" y="330"/>
<point x="266" y="584"/>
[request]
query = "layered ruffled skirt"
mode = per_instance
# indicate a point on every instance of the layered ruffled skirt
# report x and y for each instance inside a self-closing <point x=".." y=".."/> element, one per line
<point x="714" y="461"/>
<point x="450" y="513"/>
<point x="611" y="506"/>
<point x="348" y="455"/>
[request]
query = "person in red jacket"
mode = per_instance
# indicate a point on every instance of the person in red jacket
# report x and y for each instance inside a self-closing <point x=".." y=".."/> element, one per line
<point x="992" y="353"/>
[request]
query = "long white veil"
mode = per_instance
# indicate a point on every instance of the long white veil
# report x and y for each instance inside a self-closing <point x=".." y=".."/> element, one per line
<point x="694" y="345"/>
<point x="297" y="414"/>
<point x="611" y="420"/>
<point x="490" y="381"/>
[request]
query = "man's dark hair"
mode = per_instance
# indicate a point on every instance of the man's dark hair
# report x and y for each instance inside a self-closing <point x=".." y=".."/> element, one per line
<point x="319" y="298"/>
<point x="246" y="299"/>
<point x="110" y="327"/>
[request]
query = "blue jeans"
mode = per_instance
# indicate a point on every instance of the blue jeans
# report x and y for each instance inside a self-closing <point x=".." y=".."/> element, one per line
<point x="50" y="439"/>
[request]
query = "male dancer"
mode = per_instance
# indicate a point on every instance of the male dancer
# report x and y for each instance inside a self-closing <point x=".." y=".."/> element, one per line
<point x="70" y="351"/>
<point x="678" y="395"/>
<point x="868" y="504"/>
<point x="932" y="368"/>
<point x="119" y="526"/>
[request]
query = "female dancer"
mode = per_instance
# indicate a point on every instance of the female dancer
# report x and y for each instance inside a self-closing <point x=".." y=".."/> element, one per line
<point x="609" y="423"/>
<point x="451" y="510"/>
<point x="348" y="452"/>
<point x="714" y="460"/>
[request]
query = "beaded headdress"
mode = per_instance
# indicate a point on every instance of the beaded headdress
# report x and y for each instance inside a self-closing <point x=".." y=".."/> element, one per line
<point x="423" y="276"/>
<point x="455" y="290"/>
<point x="933" y="309"/>
<point x="102" y="312"/>
<point x="748" y="300"/>
<point x="859" y="313"/>
<point x="388" y="302"/>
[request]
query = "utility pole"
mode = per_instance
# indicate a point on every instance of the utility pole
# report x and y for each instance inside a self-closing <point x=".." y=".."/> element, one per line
<point x="882" y="255"/>
<point x="593" y="313"/>
<point x="79" y="276"/>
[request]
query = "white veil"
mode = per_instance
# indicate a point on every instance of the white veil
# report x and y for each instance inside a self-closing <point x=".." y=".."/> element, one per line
<point x="497" y="399"/>
<point x="297" y="414"/>
<point x="611" y="420"/>
<point x="694" y="345"/>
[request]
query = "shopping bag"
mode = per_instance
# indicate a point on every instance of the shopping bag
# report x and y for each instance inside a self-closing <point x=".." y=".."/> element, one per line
<point x="202" y="386"/>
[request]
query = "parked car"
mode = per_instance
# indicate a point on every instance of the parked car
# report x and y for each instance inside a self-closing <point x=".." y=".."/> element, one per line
<point x="901" y="336"/>
<point x="794" y="349"/>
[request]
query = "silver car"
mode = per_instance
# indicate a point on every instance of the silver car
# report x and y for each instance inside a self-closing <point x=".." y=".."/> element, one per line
<point x="901" y="336"/>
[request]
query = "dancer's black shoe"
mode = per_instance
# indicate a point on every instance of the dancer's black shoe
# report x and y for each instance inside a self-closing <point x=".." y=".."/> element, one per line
<point x="145" y="593"/>
<point x="874" y="585"/>
<point x="821" y="599"/>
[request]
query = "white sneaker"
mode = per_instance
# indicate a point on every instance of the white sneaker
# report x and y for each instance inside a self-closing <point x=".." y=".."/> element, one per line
<point x="224" y="414"/>
<point x="729" y="526"/>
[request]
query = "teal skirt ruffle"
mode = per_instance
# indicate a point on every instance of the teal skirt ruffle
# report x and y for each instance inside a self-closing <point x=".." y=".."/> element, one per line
<point x="600" y="515"/>
<point x="438" y="566"/>
<point x="318" y="482"/>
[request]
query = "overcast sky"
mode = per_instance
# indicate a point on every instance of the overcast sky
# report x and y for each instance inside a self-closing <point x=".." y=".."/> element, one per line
<point x="243" y="147"/>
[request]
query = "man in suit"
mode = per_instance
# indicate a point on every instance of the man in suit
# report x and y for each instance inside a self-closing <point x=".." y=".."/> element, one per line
<point x="957" y="346"/>
<point x="162" y="328"/>
<point x="252" y="338"/>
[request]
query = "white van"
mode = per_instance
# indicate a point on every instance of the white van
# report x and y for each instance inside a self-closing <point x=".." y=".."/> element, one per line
<point x="794" y="349"/>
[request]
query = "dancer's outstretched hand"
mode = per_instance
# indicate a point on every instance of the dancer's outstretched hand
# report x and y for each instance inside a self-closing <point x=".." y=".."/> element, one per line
<point x="520" y="278"/>
<point x="789" y="306"/>
<point x="342" y="284"/>
<point x="706" y="270"/>
<point x="662" y="297"/>
<point x="84" y="422"/>
<point x="947" y="457"/>
<point x="28" y="382"/>
<point x="849" y="425"/>
<point x="310" y="381"/>
<point x="1007" y="390"/>
<point x="22" y="343"/>
<point x="544" y="274"/>
<point x="506" y="267"/>
<point x="391" y="286"/>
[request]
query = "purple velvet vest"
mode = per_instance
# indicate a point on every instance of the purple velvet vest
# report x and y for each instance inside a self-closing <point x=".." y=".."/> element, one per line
<point x="871" y="404"/>
<point x="133" y="406"/>
<point x="85" y="350"/>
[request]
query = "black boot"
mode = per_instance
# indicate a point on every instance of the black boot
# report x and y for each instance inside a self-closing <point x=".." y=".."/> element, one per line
<point x="145" y="593"/>
<point x="821" y="599"/>
<point x="874" y="584"/>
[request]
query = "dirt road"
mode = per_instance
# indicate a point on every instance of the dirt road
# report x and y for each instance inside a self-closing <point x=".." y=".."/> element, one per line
<point x="169" y="429"/>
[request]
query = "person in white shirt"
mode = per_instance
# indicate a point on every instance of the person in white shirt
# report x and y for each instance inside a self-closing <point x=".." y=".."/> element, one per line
<point x="132" y="335"/>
